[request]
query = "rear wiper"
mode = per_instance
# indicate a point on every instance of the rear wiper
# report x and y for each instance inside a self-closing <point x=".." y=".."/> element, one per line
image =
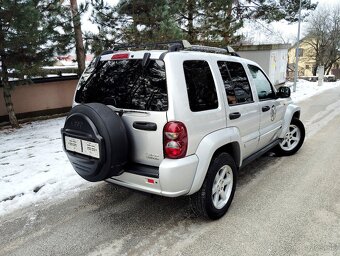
<point x="146" y="59"/>
<point x="120" y="112"/>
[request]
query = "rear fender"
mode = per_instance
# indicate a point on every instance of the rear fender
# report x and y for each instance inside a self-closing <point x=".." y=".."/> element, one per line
<point x="209" y="145"/>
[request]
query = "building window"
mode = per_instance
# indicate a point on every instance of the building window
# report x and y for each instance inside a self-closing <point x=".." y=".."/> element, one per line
<point x="307" y="66"/>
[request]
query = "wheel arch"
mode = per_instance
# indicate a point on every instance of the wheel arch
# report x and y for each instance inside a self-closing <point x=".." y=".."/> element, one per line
<point x="233" y="149"/>
<point x="292" y="111"/>
<point x="224" y="140"/>
<point x="297" y="114"/>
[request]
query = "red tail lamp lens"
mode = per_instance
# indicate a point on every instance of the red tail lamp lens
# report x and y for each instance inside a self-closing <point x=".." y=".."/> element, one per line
<point x="175" y="139"/>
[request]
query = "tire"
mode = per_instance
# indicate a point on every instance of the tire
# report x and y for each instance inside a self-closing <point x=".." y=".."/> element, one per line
<point x="98" y="124"/>
<point x="217" y="192"/>
<point x="293" y="139"/>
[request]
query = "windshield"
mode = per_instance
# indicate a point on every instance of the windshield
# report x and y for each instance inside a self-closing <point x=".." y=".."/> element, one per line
<point x="125" y="84"/>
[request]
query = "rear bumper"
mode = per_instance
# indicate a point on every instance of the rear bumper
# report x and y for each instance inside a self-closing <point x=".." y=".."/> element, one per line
<point x="175" y="178"/>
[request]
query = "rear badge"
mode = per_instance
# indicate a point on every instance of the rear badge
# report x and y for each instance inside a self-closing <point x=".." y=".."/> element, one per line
<point x="152" y="156"/>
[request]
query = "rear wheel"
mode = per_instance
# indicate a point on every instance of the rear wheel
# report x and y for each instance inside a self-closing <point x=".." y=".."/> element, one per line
<point x="217" y="191"/>
<point x="293" y="139"/>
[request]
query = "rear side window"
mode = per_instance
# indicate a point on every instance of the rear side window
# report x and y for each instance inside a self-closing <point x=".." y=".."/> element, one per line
<point x="125" y="84"/>
<point x="200" y="85"/>
<point x="236" y="83"/>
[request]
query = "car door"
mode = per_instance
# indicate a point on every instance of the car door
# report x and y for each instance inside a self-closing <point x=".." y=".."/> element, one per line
<point x="242" y="110"/>
<point x="271" y="111"/>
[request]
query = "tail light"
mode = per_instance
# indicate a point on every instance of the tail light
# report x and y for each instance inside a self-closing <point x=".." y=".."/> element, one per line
<point x="120" y="56"/>
<point x="175" y="139"/>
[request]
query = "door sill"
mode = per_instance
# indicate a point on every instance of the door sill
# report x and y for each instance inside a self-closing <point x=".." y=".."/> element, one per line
<point x="259" y="153"/>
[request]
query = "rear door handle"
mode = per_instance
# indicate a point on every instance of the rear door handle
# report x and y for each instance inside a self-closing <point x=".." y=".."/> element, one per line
<point x="265" y="109"/>
<point x="234" y="115"/>
<point x="146" y="126"/>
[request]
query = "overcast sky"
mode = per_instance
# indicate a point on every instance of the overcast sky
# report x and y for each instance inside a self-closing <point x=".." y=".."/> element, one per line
<point x="279" y="32"/>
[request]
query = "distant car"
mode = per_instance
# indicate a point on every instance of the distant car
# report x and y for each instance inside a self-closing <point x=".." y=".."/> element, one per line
<point x="177" y="122"/>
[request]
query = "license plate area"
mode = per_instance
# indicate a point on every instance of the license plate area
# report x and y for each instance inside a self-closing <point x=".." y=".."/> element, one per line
<point x="83" y="147"/>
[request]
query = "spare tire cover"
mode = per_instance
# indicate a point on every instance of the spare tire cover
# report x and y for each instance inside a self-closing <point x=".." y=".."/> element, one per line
<point x="97" y="144"/>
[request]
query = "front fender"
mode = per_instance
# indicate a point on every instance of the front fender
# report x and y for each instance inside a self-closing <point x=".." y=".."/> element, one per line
<point x="206" y="149"/>
<point x="290" y="112"/>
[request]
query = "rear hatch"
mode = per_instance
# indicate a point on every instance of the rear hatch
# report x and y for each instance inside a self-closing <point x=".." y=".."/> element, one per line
<point x="136" y="89"/>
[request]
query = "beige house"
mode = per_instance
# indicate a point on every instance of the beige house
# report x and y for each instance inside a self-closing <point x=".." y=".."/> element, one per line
<point x="307" y="61"/>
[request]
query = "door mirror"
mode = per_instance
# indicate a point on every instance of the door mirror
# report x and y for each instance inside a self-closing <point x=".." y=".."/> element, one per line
<point x="283" y="92"/>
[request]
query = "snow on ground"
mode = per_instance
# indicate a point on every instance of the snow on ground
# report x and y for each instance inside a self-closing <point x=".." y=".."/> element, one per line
<point x="33" y="165"/>
<point x="306" y="89"/>
<point x="34" y="168"/>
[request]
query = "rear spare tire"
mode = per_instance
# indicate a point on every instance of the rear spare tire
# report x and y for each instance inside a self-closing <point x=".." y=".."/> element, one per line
<point x="95" y="141"/>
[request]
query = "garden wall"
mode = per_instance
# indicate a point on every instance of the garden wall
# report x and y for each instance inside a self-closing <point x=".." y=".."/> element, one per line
<point x="44" y="97"/>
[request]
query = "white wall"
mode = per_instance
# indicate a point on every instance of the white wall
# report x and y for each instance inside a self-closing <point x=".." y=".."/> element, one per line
<point x="272" y="61"/>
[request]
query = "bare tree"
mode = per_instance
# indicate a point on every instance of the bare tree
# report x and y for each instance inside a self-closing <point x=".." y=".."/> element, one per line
<point x="261" y="32"/>
<point x="324" y="37"/>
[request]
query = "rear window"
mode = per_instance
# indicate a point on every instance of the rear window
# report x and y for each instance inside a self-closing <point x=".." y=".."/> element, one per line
<point x="125" y="84"/>
<point x="200" y="85"/>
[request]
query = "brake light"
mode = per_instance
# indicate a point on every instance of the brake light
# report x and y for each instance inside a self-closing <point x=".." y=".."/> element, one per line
<point x="175" y="139"/>
<point x="120" y="56"/>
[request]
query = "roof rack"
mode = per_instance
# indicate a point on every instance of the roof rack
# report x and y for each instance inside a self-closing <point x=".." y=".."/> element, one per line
<point x="201" y="48"/>
<point x="175" y="46"/>
<point x="171" y="46"/>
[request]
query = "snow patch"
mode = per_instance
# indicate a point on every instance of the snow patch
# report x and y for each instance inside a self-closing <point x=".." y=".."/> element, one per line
<point x="34" y="167"/>
<point x="306" y="89"/>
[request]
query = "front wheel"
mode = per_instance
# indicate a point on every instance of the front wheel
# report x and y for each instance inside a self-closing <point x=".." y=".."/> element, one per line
<point x="293" y="139"/>
<point x="217" y="191"/>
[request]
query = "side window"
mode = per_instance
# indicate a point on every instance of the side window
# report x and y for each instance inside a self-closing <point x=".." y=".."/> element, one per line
<point x="263" y="86"/>
<point x="200" y="85"/>
<point x="236" y="83"/>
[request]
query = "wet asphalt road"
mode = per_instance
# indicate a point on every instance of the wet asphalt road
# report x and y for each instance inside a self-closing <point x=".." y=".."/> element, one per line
<point x="282" y="206"/>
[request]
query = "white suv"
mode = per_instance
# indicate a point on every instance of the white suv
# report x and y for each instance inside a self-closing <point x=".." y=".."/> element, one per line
<point x="177" y="122"/>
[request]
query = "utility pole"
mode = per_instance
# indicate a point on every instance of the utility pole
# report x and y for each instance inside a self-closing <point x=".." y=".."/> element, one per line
<point x="297" y="51"/>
